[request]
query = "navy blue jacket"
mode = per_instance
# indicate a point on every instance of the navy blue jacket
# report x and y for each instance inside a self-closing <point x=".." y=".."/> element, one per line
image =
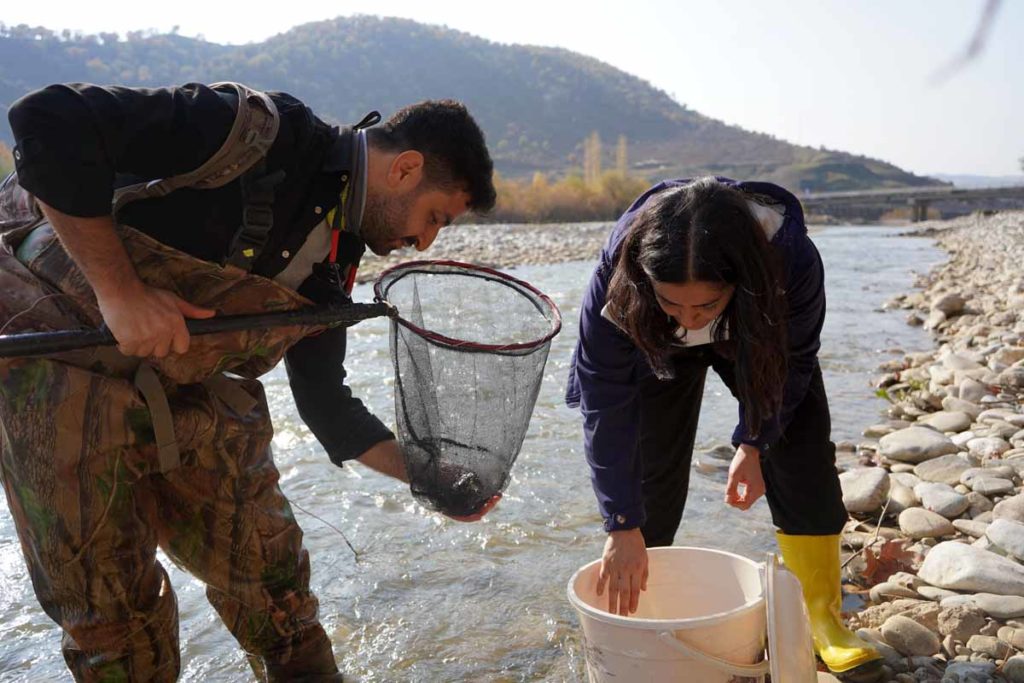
<point x="607" y="367"/>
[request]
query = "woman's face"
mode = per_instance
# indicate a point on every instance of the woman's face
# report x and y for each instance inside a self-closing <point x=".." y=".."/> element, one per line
<point x="693" y="304"/>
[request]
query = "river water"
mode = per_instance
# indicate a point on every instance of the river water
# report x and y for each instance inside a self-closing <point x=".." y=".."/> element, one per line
<point x="430" y="599"/>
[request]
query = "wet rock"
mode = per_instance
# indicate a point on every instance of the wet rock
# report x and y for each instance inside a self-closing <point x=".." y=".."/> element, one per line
<point x="988" y="447"/>
<point x="1000" y="606"/>
<point x="915" y="445"/>
<point x="909" y="637"/>
<point x="877" y="431"/>
<point x="901" y="498"/>
<point x="1011" y="635"/>
<point x="889" y="654"/>
<point x="960" y="440"/>
<point x="961" y="621"/>
<point x="958" y="600"/>
<point x="921" y="611"/>
<point x="865" y="489"/>
<point x="971" y="527"/>
<point x="1013" y="669"/>
<point x="993" y="486"/>
<point x="947" y="421"/>
<point x="934" y="320"/>
<point x="953" y="404"/>
<point x="959" y="361"/>
<point x="1008" y="355"/>
<point x="906" y="478"/>
<point x="925" y="668"/>
<point x="988" y="645"/>
<point x="886" y="589"/>
<point x="969" y="672"/>
<point x="1012" y="377"/>
<point x="941" y="498"/>
<point x="958" y="566"/>
<point x="907" y="580"/>
<point x="1011" y="508"/>
<point x="989" y="471"/>
<point x="1002" y="415"/>
<point x="919" y="523"/>
<point x="1007" y="535"/>
<point x="936" y="594"/>
<point x="945" y="469"/>
<point x="978" y="504"/>
<point x="972" y="390"/>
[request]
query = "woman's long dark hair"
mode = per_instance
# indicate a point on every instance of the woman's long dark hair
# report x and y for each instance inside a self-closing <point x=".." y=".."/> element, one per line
<point x="705" y="232"/>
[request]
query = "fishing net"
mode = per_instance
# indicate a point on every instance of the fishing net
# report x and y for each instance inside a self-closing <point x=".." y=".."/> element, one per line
<point x="469" y="346"/>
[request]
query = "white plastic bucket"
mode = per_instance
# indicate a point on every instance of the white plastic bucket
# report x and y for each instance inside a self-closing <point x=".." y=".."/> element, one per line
<point x="701" y="620"/>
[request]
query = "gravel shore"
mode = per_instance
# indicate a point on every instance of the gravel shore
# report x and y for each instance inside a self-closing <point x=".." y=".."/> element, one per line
<point x="936" y="537"/>
<point x="502" y="246"/>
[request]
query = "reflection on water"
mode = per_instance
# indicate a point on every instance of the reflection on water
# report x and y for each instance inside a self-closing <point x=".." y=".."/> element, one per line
<point x="430" y="599"/>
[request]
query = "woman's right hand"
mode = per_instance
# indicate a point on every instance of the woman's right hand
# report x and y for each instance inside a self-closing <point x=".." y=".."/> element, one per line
<point x="624" y="570"/>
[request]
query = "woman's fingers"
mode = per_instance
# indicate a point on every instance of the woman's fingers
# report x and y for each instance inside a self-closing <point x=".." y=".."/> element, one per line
<point x="623" y="570"/>
<point x="635" y="581"/>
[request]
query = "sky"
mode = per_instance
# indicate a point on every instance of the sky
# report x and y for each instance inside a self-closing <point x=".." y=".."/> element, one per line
<point x="858" y="76"/>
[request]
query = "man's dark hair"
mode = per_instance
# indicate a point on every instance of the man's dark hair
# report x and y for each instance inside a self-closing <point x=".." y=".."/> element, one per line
<point x="452" y="144"/>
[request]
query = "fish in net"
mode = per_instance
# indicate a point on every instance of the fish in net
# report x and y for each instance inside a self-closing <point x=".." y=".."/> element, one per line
<point x="468" y="345"/>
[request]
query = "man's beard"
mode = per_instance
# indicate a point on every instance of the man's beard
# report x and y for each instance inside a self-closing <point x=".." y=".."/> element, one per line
<point x="384" y="220"/>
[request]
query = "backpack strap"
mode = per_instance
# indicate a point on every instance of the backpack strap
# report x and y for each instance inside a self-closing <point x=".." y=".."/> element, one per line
<point x="252" y="133"/>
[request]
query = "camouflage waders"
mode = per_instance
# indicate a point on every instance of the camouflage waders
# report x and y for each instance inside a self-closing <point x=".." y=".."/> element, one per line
<point x="104" y="458"/>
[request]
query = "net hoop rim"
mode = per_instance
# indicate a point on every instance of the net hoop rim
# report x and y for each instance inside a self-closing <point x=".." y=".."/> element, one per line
<point x="459" y="344"/>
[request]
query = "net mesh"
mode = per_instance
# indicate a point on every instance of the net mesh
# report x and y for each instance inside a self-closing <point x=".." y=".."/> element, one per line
<point x="468" y="347"/>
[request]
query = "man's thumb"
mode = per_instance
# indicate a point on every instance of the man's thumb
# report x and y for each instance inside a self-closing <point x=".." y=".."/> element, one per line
<point x="192" y="311"/>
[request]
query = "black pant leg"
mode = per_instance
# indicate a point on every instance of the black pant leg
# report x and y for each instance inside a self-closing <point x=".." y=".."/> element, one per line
<point x="800" y="473"/>
<point x="669" y="410"/>
<point x="799" y="469"/>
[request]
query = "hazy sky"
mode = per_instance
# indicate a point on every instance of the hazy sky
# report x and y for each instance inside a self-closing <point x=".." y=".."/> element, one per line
<point x="855" y="75"/>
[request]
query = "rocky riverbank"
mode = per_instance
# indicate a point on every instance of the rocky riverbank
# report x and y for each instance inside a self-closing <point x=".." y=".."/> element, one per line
<point x="502" y="246"/>
<point x="936" y="537"/>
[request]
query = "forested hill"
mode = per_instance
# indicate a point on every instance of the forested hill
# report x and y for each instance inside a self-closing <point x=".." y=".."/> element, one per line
<point x="536" y="105"/>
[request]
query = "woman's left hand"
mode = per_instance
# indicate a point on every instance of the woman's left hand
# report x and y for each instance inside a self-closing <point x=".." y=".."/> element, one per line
<point x="745" y="483"/>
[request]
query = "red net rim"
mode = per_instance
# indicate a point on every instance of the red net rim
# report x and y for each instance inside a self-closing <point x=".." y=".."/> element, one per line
<point x="460" y="344"/>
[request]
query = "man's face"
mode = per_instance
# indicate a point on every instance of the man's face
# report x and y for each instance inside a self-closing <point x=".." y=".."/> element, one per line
<point x="410" y="219"/>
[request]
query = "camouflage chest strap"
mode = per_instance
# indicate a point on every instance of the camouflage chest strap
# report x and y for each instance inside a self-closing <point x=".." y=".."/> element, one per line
<point x="149" y="385"/>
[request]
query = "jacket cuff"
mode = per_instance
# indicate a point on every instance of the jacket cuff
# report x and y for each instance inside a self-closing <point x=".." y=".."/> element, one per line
<point x="631" y="518"/>
<point x="363" y="436"/>
<point x="761" y="442"/>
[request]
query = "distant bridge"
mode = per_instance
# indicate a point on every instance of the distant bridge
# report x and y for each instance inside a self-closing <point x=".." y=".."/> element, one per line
<point x="917" y="198"/>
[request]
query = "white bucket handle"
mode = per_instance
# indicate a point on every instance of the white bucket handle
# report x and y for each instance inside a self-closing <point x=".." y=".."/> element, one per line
<point x="747" y="670"/>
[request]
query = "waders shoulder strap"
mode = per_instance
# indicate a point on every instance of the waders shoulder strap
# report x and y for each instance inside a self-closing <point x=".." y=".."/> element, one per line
<point x="252" y="133"/>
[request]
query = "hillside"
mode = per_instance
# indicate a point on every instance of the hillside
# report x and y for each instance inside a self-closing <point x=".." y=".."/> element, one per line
<point x="535" y="104"/>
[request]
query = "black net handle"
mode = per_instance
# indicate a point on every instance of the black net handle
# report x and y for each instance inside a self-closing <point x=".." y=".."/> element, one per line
<point x="423" y="266"/>
<point x="45" y="343"/>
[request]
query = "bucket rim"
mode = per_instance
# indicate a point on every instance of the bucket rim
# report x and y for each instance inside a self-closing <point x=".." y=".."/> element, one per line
<point x="666" y="624"/>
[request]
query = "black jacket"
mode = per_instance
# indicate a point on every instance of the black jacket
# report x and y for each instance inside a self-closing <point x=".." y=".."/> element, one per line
<point x="75" y="143"/>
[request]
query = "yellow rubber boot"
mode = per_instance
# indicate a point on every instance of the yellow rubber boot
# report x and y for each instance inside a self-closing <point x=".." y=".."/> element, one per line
<point x="815" y="561"/>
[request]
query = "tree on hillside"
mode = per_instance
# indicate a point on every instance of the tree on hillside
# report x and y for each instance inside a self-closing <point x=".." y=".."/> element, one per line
<point x="6" y="160"/>
<point x="622" y="156"/>
<point x="592" y="159"/>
